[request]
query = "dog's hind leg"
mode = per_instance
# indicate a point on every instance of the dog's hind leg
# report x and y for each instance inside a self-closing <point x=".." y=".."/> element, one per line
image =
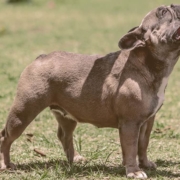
<point x="66" y="127"/>
<point x="22" y="112"/>
<point x="144" y="135"/>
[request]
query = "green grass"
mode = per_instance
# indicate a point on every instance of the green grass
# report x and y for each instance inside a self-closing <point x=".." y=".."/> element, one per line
<point x="92" y="27"/>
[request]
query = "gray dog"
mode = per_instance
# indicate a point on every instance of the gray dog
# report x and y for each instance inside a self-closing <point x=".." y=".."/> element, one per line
<point x="123" y="90"/>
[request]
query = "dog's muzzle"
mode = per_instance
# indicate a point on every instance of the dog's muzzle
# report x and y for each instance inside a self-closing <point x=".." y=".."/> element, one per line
<point x="176" y="35"/>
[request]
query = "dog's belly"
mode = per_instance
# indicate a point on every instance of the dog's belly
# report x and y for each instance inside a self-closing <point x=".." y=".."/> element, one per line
<point x="98" y="121"/>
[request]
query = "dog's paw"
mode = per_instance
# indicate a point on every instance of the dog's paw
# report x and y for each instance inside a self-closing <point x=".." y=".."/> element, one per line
<point x="11" y="167"/>
<point x="148" y="165"/>
<point x="137" y="175"/>
<point x="79" y="159"/>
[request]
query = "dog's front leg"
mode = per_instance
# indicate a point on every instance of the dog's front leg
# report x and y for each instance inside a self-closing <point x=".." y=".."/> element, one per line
<point x="129" y="132"/>
<point x="144" y="135"/>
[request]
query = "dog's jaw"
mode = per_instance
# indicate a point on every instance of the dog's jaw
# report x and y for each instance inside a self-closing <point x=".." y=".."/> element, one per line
<point x="176" y="35"/>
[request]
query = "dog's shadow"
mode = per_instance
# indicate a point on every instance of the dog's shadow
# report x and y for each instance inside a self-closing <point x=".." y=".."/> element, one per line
<point x="164" y="173"/>
<point x="87" y="168"/>
<point x="83" y="169"/>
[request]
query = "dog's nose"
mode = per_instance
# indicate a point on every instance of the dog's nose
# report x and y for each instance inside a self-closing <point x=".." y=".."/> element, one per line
<point x="176" y="8"/>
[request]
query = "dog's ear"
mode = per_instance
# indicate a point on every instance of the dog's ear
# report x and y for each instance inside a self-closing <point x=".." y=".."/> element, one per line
<point x="133" y="39"/>
<point x="133" y="29"/>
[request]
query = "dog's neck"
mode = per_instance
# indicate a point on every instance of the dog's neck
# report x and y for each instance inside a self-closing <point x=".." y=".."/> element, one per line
<point x="152" y="69"/>
<point x="157" y="67"/>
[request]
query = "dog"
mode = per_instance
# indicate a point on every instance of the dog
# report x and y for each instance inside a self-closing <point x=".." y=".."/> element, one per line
<point x="123" y="90"/>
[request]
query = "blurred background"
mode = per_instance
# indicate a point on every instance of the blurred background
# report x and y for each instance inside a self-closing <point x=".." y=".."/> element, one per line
<point x="32" y="27"/>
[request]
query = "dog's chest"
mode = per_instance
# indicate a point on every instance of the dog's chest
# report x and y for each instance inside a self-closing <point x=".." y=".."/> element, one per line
<point x="160" y="95"/>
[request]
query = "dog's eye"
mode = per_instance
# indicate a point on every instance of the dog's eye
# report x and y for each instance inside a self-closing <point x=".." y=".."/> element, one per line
<point x="161" y="12"/>
<point x="164" y="12"/>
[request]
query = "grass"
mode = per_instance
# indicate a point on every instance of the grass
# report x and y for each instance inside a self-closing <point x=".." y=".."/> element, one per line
<point x="92" y="27"/>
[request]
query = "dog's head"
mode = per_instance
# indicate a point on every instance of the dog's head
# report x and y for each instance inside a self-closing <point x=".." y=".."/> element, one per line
<point x="159" y="32"/>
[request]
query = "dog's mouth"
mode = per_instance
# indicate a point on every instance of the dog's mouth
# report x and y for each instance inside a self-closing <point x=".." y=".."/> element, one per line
<point x="176" y="35"/>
